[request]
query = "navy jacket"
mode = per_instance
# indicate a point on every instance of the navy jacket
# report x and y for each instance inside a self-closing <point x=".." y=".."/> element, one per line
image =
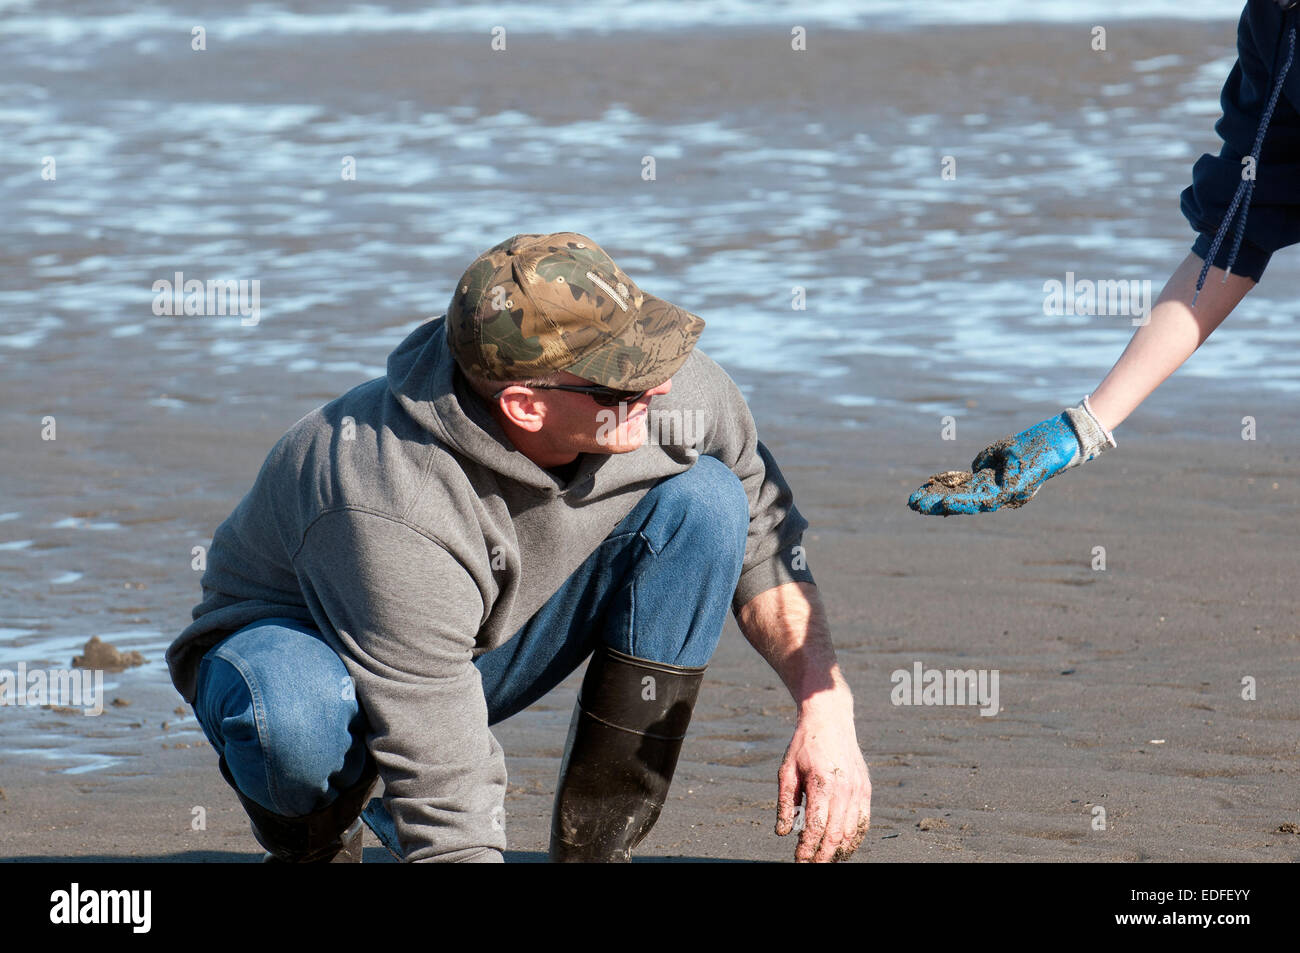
<point x="1272" y="207"/>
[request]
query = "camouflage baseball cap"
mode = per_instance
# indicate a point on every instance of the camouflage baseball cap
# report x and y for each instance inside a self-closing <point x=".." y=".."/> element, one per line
<point x="536" y="304"/>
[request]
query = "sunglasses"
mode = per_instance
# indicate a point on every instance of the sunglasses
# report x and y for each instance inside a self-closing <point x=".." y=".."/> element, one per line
<point x="604" y="396"/>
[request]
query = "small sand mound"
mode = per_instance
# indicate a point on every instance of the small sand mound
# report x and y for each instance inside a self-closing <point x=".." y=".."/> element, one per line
<point x="102" y="655"/>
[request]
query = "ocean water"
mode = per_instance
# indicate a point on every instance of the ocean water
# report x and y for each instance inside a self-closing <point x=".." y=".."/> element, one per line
<point x="68" y="22"/>
<point x="167" y="162"/>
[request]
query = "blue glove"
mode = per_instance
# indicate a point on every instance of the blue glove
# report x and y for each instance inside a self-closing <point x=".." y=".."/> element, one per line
<point x="1011" y="471"/>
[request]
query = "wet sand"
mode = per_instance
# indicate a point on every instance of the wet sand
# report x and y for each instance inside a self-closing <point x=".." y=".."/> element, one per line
<point x="1095" y="667"/>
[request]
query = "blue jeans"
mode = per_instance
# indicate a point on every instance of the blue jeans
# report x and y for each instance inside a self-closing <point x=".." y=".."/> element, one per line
<point x="658" y="588"/>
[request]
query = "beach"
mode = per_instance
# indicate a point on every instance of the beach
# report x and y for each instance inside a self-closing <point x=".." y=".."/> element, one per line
<point x="1120" y="688"/>
<point x="1094" y="667"/>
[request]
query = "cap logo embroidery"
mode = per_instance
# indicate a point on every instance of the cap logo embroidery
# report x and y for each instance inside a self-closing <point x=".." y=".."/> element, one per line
<point x="608" y="290"/>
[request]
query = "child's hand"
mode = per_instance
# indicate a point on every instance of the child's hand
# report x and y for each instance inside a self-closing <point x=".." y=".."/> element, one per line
<point x="1011" y="471"/>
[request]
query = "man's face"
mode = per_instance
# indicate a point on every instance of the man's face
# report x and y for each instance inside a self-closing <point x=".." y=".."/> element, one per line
<point x="576" y="422"/>
<point x="563" y="423"/>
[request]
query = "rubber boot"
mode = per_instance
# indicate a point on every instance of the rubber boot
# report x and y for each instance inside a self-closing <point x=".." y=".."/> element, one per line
<point x="330" y="835"/>
<point x="622" y="749"/>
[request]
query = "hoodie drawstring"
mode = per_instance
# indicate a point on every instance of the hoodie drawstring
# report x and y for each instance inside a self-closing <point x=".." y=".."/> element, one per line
<point x="1246" y="189"/>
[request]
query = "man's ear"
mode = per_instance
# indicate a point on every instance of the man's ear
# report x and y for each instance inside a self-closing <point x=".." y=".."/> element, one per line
<point x="520" y="407"/>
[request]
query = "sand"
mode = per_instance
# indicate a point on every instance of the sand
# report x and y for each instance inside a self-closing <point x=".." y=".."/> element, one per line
<point x="1095" y="666"/>
<point x="949" y="480"/>
<point x="101" y="654"/>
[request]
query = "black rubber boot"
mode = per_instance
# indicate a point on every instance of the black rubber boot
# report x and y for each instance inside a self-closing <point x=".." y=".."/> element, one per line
<point x="622" y="749"/>
<point x="330" y="835"/>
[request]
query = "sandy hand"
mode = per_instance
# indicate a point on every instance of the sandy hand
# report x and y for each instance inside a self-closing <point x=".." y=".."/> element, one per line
<point x="1010" y="472"/>
<point x="825" y="767"/>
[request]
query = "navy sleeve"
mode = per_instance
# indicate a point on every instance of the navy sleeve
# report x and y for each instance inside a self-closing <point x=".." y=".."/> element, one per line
<point x="1273" y="217"/>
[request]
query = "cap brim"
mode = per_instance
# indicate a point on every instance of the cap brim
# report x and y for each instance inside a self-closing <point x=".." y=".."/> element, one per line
<point x="647" y="352"/>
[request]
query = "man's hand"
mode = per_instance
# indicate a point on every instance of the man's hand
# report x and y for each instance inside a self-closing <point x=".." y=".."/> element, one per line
<point x="1011" y="471"/>
<point x="825" y="766"/>
<point x="787" y="625"/>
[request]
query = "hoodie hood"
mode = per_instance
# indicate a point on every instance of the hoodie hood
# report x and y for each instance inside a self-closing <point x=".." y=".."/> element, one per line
<point x="423" y="377"/>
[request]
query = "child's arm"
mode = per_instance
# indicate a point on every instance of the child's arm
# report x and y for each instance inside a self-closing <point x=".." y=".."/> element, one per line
<point x="1245" y="205"/>
<point x="1160" y="346"/>
<point x="1011" y="471"/>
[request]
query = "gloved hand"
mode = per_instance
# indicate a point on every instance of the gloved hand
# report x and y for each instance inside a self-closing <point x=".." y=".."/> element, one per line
<point x="1009" y="473"/>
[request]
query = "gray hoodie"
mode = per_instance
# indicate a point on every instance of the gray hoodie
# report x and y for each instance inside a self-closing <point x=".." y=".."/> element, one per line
<point x="399" y="521"/>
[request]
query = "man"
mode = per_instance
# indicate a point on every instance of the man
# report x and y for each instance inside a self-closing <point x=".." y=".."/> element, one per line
<point x="1251" y="188"/>
<point x="436" y="549"/>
